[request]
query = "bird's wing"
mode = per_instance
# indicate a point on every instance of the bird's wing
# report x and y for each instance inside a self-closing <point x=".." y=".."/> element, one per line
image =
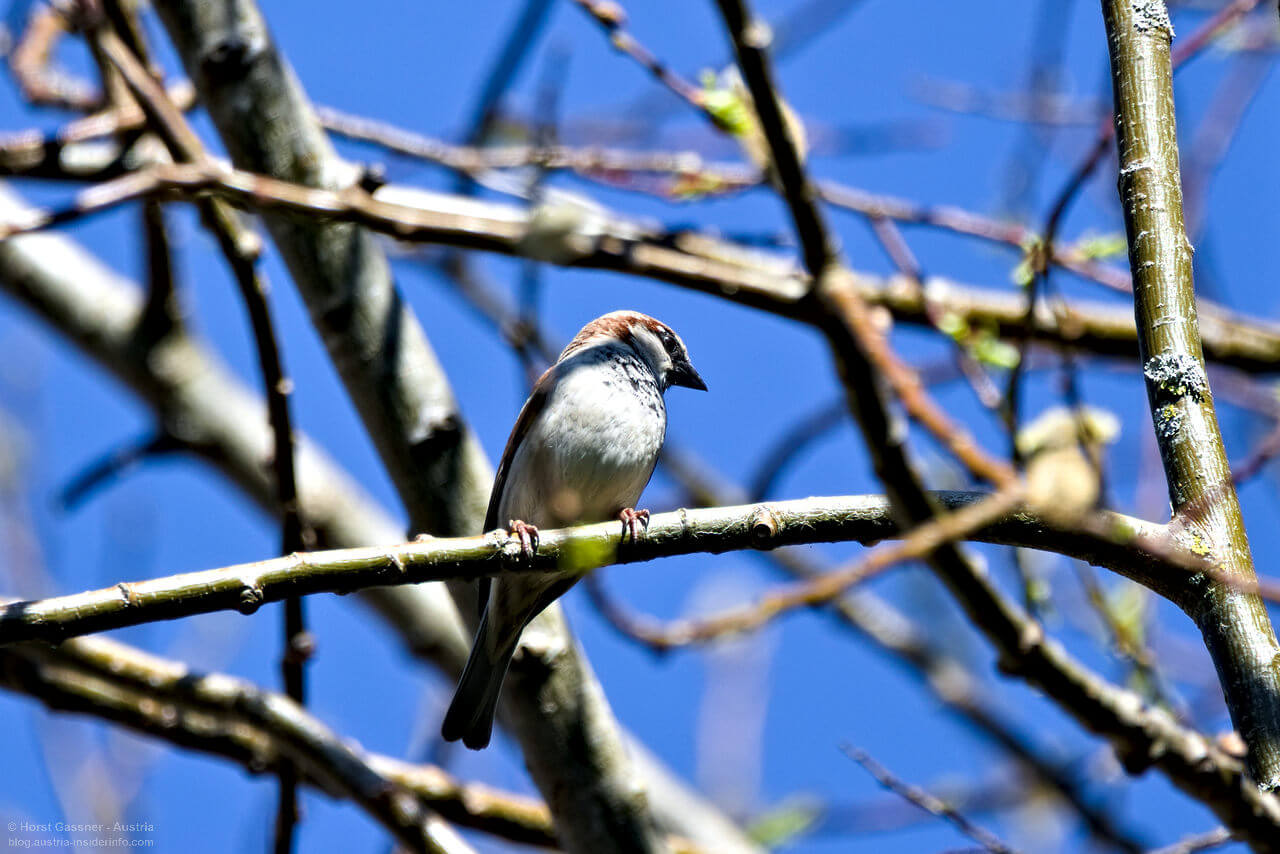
<point x="524" y="421"/>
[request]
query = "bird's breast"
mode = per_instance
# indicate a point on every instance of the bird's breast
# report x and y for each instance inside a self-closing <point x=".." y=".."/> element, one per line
<point x="591" y="450"/>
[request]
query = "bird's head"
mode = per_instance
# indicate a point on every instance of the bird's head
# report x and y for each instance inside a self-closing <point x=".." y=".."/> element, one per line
<point x="652" y="340"/>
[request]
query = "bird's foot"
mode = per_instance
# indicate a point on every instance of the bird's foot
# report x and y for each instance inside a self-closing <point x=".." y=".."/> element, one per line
<point x="635" y="522"/>
<point x="527" y="535"/>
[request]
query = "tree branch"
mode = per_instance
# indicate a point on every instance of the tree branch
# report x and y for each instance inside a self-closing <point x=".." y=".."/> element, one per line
<point x="224" y="715"/>
<point x="215" y="417"/>
<point x="246" y="587"/>
<point x="841" y="314"/>
<point x="241" y="249"/>
<point x="1234" y="623"/>
<point x="927" y="802"/>
<point x="407" y="406"/>
<point x="233" y="719"/>
<point x="687" y="259"/>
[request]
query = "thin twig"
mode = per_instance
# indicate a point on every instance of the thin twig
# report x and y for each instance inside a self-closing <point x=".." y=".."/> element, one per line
<point x="927" y="802"/>
<point x="610" y="16"/>
<point x="1206" y="841"/>
<point x="31" y="62"/>
<point x="241" y="250"/>
<point x="99" y="473"/>
<point x="822" y="589"/>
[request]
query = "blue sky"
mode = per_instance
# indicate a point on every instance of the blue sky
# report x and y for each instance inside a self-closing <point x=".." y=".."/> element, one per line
<point x="813" y="685"/>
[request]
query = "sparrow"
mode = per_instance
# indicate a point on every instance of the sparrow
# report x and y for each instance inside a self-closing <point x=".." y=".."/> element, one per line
<point x="1062" y="451"/>
<point x="582" y="450"/>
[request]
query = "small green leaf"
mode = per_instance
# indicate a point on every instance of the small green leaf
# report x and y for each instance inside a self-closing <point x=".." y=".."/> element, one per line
<point x="1100" y="246"/>
<point x="1032" y="261"/>
<point x="726" y="106"/>
<point x="784" y="822"/>
<point x="1023" y="274"/>
<point x="953" y="325"/>
<point x="990" y="350"/>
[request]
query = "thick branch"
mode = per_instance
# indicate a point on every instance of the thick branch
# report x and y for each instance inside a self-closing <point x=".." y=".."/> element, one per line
<point x="203" y="407"/>
<point x="246" y="587"/>
<point x="687" y="259"/>
<point x="241" y="249"/>
<point x="213" y="415"/>
<point x="405" y="401"/>
<point x="1234" y="623"/>
<point x="164" y="697"/>
<point x="843" y="316"/>
<point x="227" y="717"/>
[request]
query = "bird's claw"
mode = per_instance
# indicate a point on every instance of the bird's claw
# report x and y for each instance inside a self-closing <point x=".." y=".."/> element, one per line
<point x="635" y="522"/>
<point x="527" y="535"/>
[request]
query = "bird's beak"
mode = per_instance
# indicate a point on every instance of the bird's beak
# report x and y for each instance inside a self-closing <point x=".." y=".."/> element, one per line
<point x="684" y="374"/>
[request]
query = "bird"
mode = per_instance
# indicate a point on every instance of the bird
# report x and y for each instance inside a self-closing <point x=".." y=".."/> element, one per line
<point x="582" y="450"/>
<point x="1062" y="451"/>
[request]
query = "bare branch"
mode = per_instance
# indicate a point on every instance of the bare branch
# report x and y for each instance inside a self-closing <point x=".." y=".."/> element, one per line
<point x="1206" y="841"/>
<point x="145" y="692"/>
<point x="1122" y="545"/>
<point x="843" y="317"/>
<point x="214" y="416"/>
<point x="226" y="716"/>
<point x="686" y="259"/>
<point x="927" y="802"/>
<point x="32" y="64"/>
<point x="1234" y="624"/>
<point x="240" y="247"/>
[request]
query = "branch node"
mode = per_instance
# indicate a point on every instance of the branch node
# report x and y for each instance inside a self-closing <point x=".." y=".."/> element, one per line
<point x="757" y="34"/>
<point x="1138" y="758"/>
<point x="251" y="599"/>
<point x="1032" y="637"/>
<point x="128" y="594"/>
<point x="230" y="58"/>
<point x="398" y="562"/>
<point x="302" y="646"/>
<point x="1014" y="662"/>
<point x="373" y="176"/>
<point x="764" y="529"/>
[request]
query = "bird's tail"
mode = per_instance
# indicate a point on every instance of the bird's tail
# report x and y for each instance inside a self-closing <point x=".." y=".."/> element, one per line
<point x="470" y="715"/>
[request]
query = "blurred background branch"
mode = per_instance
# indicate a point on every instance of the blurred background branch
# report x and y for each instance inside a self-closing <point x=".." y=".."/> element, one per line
<point x="539" y="199"/>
